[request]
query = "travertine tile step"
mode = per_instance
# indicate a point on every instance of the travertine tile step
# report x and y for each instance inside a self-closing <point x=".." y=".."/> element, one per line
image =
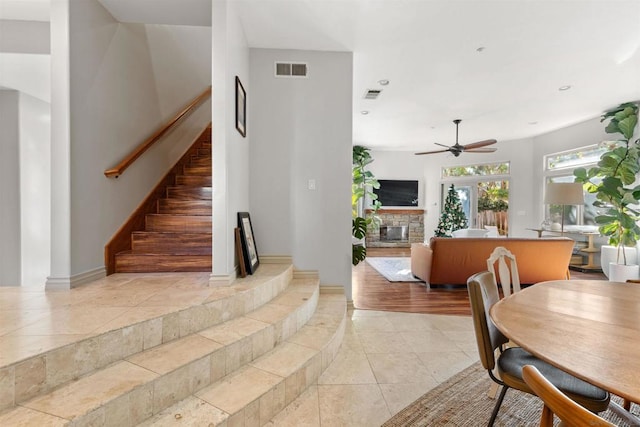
<point x="26" y="373"/>
<point x="128" y="392"/>
<point x="257" y="392"/>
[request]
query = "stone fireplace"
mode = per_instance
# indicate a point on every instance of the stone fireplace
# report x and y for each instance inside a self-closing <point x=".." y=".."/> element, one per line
<point x="399" y="228"/>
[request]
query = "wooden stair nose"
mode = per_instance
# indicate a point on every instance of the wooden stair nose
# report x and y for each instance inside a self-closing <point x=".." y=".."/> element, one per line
<point x="178" y="223"/>
<point x="171" y="243"/>
<point x="130" y="262"/>
<point x="194" y="180"/>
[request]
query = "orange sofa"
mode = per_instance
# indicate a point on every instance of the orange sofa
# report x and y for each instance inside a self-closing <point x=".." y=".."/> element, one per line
<point x="453" y="261"/>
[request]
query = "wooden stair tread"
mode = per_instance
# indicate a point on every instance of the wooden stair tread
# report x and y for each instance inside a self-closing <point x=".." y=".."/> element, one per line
<point x="188" y="192"/>
<point x="130" y="262"/>
<point x="199" y="180"/>
<point x="178" y="223"/>
<point x="171" y="243"/>
<point x="185" y="207"/>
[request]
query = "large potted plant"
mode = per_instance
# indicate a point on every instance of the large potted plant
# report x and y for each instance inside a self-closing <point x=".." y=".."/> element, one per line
<point x="612" y="181"/>
<point x="363" y="183"/>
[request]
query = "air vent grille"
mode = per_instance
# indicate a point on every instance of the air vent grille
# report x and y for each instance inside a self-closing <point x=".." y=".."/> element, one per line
<point x="291" y="69"/>
<point x="372" y="93"/>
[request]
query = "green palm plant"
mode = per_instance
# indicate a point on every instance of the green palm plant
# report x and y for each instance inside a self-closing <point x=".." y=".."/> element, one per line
<point x="612" y="180"/>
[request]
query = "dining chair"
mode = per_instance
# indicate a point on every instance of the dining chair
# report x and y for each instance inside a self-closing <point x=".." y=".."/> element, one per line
<point x="508" y="276"/>
<point x="483" y="294"/>
<point x="558" y="403"/>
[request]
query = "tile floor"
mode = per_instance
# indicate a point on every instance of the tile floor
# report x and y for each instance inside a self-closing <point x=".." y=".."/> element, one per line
<point x="387" y="360"/>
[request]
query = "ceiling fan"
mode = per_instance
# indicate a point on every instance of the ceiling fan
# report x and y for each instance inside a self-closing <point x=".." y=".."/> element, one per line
<point x="456" y="149"/>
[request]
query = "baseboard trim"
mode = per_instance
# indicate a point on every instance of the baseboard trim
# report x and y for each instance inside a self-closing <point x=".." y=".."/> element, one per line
<point x="306" y="274"/>
<point x="276" y="259"/>
<point x="331" y="289"/>
<point x="218" y="280"/>
<point x="61" y="283"/>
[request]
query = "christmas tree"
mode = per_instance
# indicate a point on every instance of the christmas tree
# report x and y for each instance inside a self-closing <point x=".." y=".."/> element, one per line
<point x="453" y="217"/>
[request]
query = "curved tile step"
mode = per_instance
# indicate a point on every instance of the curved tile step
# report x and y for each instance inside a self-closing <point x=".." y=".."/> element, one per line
<point x="130" y="391"/>
<point x="139" y="328"/>
<point x="254" y="394"/>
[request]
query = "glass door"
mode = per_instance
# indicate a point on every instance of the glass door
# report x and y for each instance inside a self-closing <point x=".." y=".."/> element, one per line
<point x="493" y="205"/>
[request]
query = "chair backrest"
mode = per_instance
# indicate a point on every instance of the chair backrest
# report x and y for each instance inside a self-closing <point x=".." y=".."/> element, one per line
<point x="470" y="232"/>
<point x="483" y="293"/>
<point x="556" y="402"/>
<point x="507" y="278"/>
<point x="492" y="231"/>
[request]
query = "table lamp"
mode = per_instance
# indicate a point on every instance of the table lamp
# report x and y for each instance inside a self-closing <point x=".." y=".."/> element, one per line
<point x="563" y="193"/>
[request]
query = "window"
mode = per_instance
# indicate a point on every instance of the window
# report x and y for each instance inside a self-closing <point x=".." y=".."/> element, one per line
<point x="484" y="193"/>
<point x="476" y="170"/>
<point x="559" y="168"/>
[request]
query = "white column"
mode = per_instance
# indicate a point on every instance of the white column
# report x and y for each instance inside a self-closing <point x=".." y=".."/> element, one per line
<point x="60" y="276"/>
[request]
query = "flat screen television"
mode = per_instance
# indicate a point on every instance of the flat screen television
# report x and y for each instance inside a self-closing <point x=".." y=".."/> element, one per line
<point x="394" y="192"/>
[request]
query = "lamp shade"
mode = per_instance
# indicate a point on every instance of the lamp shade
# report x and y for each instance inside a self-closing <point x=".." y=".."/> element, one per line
<point x="564" y="193"/>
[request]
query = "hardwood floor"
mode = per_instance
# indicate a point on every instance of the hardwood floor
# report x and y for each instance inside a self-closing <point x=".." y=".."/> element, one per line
<point x="371" y="291"/>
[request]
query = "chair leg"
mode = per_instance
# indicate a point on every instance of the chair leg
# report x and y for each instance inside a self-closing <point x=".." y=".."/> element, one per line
<point x="497" y="407"/>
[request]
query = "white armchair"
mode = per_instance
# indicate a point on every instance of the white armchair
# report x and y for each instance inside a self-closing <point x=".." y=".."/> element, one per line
<point x="470" y="232"/>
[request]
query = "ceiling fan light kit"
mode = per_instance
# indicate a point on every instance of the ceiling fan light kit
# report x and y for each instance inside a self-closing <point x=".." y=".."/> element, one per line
<point x="457" y="148"/>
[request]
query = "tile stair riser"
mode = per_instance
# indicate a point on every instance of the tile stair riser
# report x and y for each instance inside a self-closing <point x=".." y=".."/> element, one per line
<point x="26" y="379"/>
<point x="294" y="384"/>
<point x="174" y="386"/>
<point x="186" y="379"/>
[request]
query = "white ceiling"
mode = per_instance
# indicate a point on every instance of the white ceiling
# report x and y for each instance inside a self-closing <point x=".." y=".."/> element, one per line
<point x="428" y="49"/>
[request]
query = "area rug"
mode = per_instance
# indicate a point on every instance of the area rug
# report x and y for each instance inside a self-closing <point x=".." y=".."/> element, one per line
<point x="462" y="401"/>
<point x="394" y="269"/>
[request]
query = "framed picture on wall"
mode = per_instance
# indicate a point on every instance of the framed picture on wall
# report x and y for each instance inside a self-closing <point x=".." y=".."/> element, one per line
<point x="249" y="250"/>
<point x="241" y="108"/>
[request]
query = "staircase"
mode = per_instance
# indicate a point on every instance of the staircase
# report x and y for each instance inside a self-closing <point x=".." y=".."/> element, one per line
<point x="177" y="236"/>
<point x="237" y="358"/>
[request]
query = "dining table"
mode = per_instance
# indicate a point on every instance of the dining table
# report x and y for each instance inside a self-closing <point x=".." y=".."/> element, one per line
<point x="589" y="328"/>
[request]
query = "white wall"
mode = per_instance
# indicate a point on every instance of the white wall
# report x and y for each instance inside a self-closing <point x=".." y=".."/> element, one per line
<point x="230" y="149"/>
<point x="9" y="188"/>
<point x="24" y="36"/>
<point x="35" y="190"/>
<point x="301" y="130"/>
<point x="117" y="99"/>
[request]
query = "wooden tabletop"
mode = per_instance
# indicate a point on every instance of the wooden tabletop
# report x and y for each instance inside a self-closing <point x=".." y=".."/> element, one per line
<point x="590" y="328"/>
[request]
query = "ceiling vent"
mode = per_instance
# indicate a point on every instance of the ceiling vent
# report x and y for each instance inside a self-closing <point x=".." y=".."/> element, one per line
<point x="372" y="93"/>
<point x="291" y="69"/>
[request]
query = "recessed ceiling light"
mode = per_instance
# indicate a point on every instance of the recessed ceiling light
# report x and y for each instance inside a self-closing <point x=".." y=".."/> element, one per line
<point x="364" y="112"/>
<point x="567" y="87"/>
<point x="383" y="82"/>
<point x="533" y="123"/>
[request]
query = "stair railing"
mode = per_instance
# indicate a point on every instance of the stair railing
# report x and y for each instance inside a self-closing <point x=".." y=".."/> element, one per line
<point x="140" y="149"/>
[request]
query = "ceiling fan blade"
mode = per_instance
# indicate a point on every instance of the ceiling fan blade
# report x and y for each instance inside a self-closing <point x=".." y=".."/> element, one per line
<point x="480" y="150"/>
<point x="432" y="152"/>
<point x="480" y="144"/>
<point x="441" y="145"/>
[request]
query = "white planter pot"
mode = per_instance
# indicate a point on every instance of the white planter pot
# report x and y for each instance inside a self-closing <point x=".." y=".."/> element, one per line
<point x="622" y="273"/>
<point x="609" y="254"/>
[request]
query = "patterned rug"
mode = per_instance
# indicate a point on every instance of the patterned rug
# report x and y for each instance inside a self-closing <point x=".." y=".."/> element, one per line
<point x="462" y="401"/>
<point x="394" y="269"/>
